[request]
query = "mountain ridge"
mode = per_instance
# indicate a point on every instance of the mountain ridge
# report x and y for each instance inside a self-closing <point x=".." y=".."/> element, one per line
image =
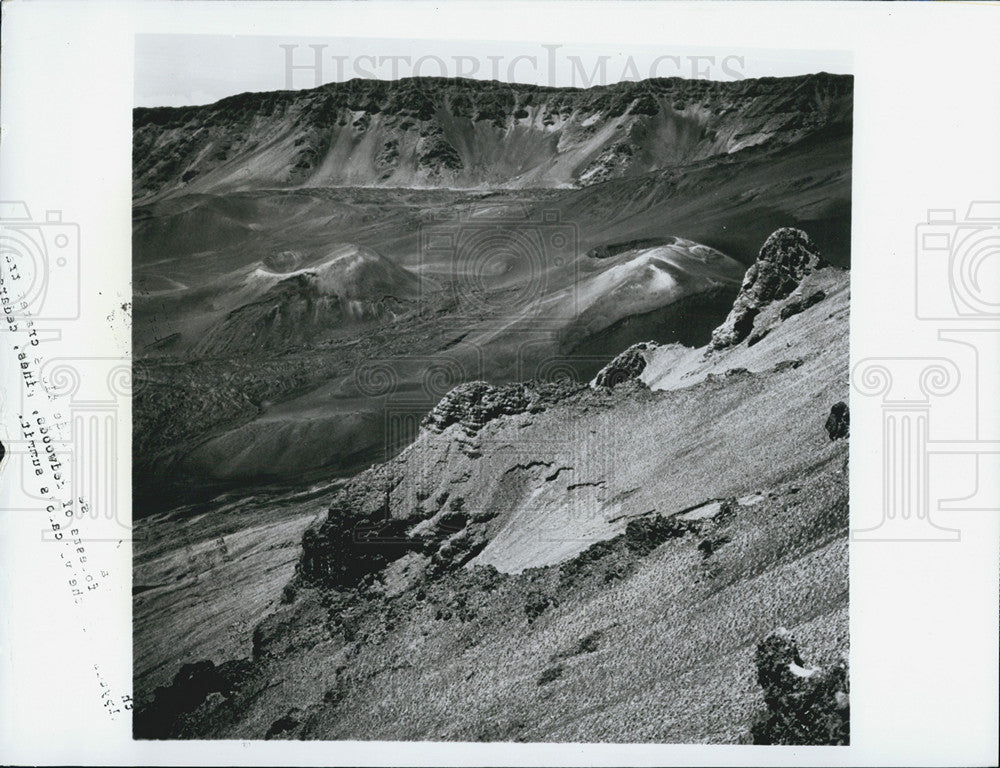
<point x="469" y="134"/>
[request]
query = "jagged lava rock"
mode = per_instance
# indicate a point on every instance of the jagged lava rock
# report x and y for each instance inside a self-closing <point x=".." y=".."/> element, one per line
<point x="626" y="366"/>
<point x="192" y="685"/>
<point x="806" y="705"/>
<point x="838" y="423"/>
<point x="786" y="257"/>
<point x="474" y="404"/>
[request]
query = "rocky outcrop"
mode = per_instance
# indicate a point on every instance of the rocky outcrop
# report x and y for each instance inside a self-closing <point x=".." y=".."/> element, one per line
<point x="476" y="403"/>
<point x="838" y="423"/>
<point x="786" y="257"/>
<point x="191" y="686"/>
<point x="352" y="543"/>
<point x="805" y="705"/>
<point x="626" y="366"/>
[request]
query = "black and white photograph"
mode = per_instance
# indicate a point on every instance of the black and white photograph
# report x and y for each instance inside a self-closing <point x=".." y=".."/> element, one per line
<point x="478" y="410"/>
<point x="524" y="383"/>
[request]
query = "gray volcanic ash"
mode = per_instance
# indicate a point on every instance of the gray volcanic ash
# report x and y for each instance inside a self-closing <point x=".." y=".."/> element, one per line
<point x="368" y="469"/>
<point x="222" y="274"/>
<point x="555" y="563"/>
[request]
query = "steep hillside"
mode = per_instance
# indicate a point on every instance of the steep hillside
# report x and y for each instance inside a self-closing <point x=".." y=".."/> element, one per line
<point x="433" y="132"/>
<point x="558" y="561"/>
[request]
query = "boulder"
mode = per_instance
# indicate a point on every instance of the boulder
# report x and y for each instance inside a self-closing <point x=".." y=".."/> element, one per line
<point x="838" y="423"/>
<point x="626" y="366"/>
<point x="805" y="705"/>
<point x="786" y="257"/>
<point x="475" y="403"/>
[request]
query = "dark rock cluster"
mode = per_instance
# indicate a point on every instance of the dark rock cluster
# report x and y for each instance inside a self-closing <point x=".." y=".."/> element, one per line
<point x="356" y="541"/>
<point x="645" y="534"/>
<point x="626" y="366"/>
<point x="838" y="423"/>
<point x="350" y="544"/>
<point x="192" y="684"/>
<point x="476" y="403"/>
<point x="805" y="705"/>
<point x="786" y="257"/>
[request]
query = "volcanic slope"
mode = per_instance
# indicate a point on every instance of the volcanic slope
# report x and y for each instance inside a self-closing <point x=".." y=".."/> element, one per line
<point x="434" y="132"/>
<point x="283" y="303"/>
<point x="566" y="562"/>
<point x="676" y="290"/>
<point x="242" y="381"/>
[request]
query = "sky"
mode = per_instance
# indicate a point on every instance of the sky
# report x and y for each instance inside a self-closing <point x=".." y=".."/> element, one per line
<point x="179" y="70"/>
